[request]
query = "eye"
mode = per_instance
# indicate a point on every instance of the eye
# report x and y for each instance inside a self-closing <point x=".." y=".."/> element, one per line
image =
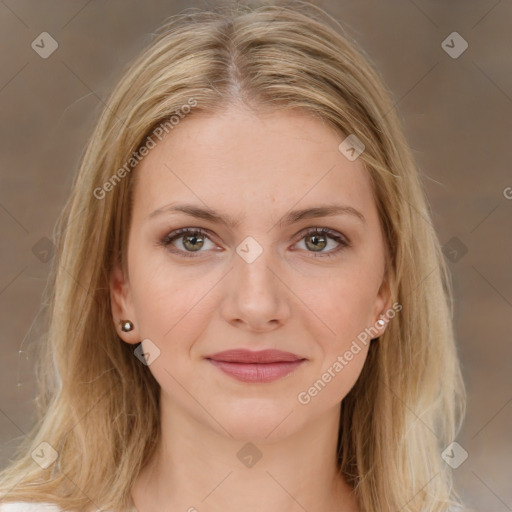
<point x="189" y="242"/>
<point x="192" y="241"/>
<point x="317" y="239"/>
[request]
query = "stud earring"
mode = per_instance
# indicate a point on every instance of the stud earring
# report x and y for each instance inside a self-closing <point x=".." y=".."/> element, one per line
<point x="126" y="325"/>
<point x="381" y="322"/>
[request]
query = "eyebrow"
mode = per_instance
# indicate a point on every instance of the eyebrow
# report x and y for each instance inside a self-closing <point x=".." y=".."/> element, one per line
<point x="292" y="217"/>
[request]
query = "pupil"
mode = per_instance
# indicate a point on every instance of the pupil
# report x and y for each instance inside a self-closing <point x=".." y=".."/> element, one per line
<point x="194" y="239"/>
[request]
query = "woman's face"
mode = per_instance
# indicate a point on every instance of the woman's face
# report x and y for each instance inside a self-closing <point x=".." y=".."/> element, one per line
<point x="261" y="279"/>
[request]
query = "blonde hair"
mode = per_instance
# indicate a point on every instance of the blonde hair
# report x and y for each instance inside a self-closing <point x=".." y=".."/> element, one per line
<point x="99" y="406"/>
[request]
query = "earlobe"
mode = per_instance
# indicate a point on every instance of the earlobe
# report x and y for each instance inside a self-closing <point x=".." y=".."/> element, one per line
<point x="382" y="306"/>
<point x="123" y="313"/>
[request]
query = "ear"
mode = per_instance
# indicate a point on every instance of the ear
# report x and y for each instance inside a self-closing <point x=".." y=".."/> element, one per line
<point x="382" y="305"/>
<point x="122" y="305"/>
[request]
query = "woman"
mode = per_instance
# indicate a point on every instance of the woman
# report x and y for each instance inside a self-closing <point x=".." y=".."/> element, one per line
<point x="250" y="307"/>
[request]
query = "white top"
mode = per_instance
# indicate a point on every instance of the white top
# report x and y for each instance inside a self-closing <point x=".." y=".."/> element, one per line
<point x="25" y="506"/>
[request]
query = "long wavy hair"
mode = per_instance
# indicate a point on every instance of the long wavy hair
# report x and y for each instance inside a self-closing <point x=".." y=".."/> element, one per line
<point x="98" y="406"/>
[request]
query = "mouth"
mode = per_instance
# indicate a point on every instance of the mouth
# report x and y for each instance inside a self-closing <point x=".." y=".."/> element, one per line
<point x="250" y="366"/>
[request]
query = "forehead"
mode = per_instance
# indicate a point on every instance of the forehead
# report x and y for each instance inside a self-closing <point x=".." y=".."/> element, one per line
<point x="242" y="160"/>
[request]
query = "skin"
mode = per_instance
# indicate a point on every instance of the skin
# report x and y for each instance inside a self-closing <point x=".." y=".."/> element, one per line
<point x="255" y="168"/>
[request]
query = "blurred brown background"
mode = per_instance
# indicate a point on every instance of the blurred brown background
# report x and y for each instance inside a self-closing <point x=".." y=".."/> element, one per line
<point x="457" y="108"/>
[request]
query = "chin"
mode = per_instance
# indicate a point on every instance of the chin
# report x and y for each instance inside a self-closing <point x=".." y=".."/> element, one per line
<point x="256" y="420"/>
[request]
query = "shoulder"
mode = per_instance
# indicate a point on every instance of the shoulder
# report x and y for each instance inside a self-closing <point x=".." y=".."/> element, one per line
<point x="27" y="506"/>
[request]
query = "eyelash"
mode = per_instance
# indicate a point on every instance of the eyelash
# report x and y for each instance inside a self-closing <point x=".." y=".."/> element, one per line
<point x="179" y="233"/>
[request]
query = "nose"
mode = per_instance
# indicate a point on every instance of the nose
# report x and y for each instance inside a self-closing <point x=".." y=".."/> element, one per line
<point x="255" y="295"/>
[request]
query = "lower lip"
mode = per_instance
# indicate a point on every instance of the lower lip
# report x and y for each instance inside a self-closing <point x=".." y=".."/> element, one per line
<point x="257" y="372"/>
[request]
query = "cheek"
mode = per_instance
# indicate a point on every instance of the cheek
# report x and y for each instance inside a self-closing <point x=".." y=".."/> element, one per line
<point x="342" y="302"/>
<point x="339" y="311"/>
<point x="169" y="302"/>
<point x="338" y="318"/>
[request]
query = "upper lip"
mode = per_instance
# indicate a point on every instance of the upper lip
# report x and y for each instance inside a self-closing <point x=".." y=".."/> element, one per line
<point x="249" y="356"/>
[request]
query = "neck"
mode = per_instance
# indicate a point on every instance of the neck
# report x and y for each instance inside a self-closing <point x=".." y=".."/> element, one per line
<point x="200" y="467"/>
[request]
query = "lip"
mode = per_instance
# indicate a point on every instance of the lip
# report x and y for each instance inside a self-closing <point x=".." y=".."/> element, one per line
<point x="261" y="366"/>
<point x="249" y="356"/>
